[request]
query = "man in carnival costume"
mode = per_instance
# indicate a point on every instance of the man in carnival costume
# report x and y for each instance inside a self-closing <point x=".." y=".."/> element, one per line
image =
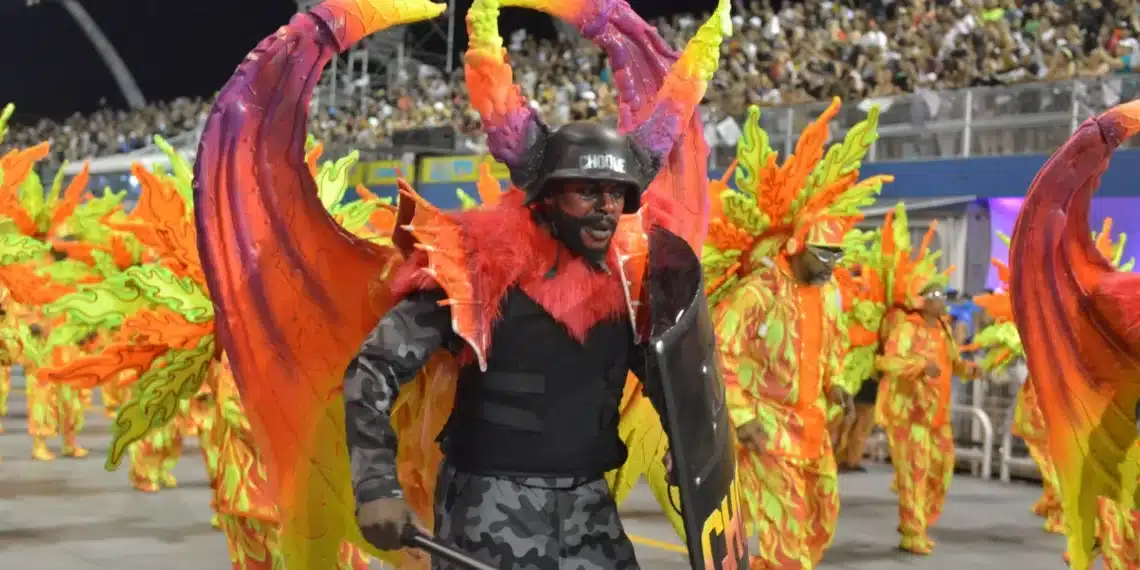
<point x="9" y="327"/>
<point x="537" y="303"/>
<point x="918" y="361"/>
<point x="9" y="349"/>
<point x="777" y="311"/>
<point x="863" y="309"/>
<point x="1076" y="315"/>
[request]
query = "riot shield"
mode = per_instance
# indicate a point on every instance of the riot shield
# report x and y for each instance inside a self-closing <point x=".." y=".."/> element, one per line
<point x="682" y="359"/>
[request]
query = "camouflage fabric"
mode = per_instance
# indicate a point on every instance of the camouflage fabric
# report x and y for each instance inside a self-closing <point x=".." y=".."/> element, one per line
<point x="531" y="523"/>
<point x="393" y="353"/>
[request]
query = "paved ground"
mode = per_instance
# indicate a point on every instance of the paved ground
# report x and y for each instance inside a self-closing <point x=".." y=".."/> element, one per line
<point x="73" y="515"/>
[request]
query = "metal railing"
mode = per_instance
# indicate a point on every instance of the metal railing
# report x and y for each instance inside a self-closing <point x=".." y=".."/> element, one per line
<point x="1030" y="118"/>
<point x="982" y="459"/>
<point x="1010" y="459"/>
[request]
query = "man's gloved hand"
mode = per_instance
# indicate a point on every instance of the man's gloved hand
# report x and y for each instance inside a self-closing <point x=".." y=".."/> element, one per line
<point x="385" y="522"/>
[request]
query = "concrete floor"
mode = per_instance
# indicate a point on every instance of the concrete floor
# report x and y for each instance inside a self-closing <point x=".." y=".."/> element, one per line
<point x="73" y="515"/>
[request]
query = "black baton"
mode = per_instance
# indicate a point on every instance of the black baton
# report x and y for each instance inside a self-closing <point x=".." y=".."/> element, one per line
<point x="416" y="539"/>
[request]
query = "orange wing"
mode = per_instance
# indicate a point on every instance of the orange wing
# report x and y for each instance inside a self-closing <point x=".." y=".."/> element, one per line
<point x="291" y="288"/>
<point x="1078" y="321"/>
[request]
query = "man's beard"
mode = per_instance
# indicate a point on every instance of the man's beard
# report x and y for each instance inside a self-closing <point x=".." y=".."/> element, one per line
<point x="569" y="229"/>
<point x="820" y="277"/>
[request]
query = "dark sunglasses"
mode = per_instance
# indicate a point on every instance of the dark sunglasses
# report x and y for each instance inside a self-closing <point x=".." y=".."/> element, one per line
<point x="827" y="256"/>
<point x="935" y="294"/>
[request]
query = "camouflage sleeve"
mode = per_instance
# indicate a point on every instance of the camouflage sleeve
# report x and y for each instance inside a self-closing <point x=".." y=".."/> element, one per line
<point x="392" y="355"/>
<point x="899" y="358"/>
<point x="738" y="320"/>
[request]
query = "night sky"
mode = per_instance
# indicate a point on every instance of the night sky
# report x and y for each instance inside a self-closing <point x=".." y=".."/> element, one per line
<point x="173" y="47"/>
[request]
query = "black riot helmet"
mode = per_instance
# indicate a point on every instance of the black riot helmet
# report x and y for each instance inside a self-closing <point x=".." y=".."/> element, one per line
<point x="589" y="152"/>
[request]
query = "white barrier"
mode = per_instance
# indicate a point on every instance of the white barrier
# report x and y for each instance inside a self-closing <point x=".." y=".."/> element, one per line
<point x="985" y="456"/>
<point x="1025" y="463"/>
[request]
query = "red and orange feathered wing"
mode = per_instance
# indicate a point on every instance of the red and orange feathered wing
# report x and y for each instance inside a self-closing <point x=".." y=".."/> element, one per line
<point x="292" y="290"/>
<point x="1079" y="320"/>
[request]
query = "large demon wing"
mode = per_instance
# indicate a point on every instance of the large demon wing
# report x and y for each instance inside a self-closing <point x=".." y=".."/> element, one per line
<point x="291" y="288"/>
<point x="1078" y="322"/>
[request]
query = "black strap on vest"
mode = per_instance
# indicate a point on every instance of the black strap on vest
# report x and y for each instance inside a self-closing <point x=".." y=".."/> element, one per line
<point x="514" y="383"/>
<point x="508" y="416"/>
<point x="518" y="383"/>
<point x="511" y="383"/>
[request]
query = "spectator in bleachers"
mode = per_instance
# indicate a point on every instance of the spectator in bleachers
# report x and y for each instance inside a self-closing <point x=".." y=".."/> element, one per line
<point x="780" y="55"/>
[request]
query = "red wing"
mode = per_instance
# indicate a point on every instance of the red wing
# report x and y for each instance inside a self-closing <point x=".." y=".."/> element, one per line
<point x="1077" y="318"/>
<point x="291" y="287"/>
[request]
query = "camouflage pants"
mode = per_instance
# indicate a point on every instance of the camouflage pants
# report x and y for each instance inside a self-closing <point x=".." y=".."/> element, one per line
<point x="532" y="523"/>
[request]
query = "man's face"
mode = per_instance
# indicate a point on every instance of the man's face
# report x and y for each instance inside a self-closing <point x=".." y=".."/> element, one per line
<point x="934" y="302"/>
<point x="815" y="264"/>
<point x="586" y="214"/>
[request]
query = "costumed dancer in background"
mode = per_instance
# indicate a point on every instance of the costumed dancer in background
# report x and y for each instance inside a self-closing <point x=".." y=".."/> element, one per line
<point x="864" y="304"/>
<point x="112" y="397"/>
<point x="549" y="252"/>
<point x="51" y="411"/>
<point x="47" y="236"/>
<point x="9" y="349"/>
<point x="918" y="361"/>
<point x="41" y="401"/>
<point x="165" y="339"/>
<point x="771" y="252"/>
<point x="9" y="335"/>
<point x="1076" y="315"/>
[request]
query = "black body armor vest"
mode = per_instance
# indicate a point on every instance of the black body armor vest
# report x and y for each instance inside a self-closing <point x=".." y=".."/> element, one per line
<point x="547" y="405"/>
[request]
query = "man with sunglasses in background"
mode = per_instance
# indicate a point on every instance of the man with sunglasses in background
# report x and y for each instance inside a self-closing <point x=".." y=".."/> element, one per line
<point x="919" y="360"/>
<point x="783" y="390"/>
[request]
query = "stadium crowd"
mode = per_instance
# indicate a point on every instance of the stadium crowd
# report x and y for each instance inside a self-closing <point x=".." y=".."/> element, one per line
<point x="789" y="54"/>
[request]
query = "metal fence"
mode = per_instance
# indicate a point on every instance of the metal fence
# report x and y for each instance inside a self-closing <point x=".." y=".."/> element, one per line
<point x="1031" y="118"/>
